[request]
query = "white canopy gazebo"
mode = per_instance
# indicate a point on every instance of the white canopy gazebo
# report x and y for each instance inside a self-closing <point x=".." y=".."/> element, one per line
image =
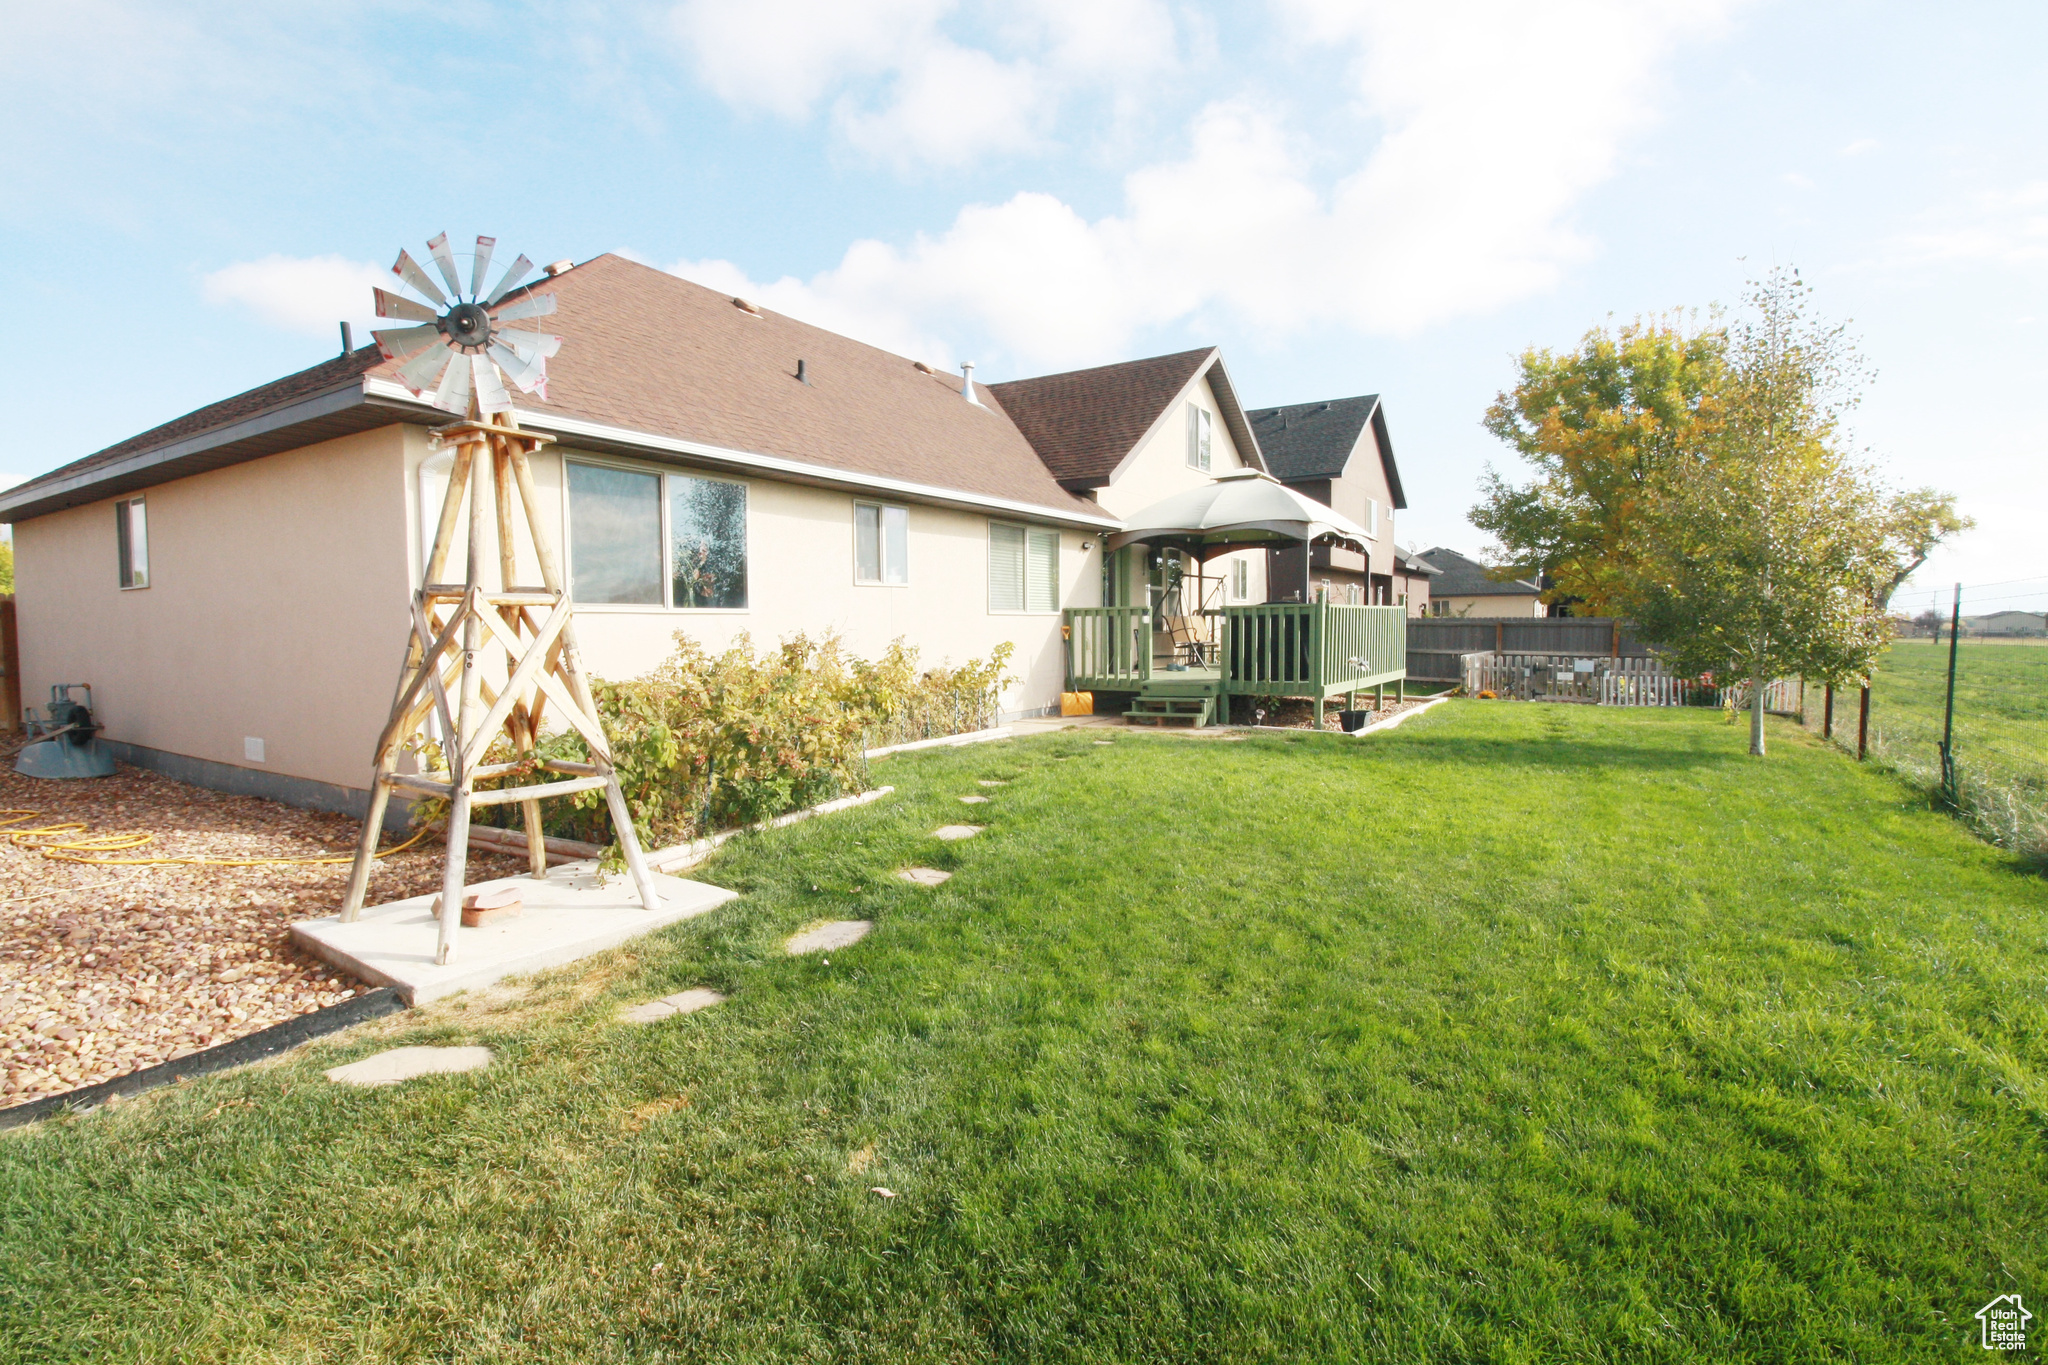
<point x="1244" y="509"/>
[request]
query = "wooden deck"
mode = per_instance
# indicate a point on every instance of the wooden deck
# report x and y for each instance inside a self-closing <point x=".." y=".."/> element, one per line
<point x="1317" y="650"/>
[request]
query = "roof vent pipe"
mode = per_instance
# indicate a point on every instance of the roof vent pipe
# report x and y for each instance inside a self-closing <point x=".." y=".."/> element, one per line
<point x="348" y="340"/>
<point x="967" y="382"/>
<point x="803" y="372"/>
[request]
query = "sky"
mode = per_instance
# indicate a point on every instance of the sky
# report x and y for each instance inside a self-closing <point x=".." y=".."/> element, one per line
<point x="1346" y="197"/>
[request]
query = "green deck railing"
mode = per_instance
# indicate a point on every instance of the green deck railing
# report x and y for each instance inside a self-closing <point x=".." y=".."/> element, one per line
<point x="1278" y="649"/>
<point x="1109" y="649"/>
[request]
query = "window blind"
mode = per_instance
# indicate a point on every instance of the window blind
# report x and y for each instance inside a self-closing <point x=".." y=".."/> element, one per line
<point x="1005" y="567"/>
<point x="1043" y="588"/>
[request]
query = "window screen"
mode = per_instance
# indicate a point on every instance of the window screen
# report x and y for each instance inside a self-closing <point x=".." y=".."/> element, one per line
<point x="708" y="539"/>
<point x="1198" y="436"/>
<point x="1241" y="579"/>
<point x="881" y="544"/>
<point x="1023" y="568"/>
<point x="615" y="535"/>
<point x="131" y="534"/>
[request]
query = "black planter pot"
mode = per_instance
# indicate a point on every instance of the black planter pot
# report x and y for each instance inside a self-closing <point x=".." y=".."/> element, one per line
<point x="1352" y="721"/>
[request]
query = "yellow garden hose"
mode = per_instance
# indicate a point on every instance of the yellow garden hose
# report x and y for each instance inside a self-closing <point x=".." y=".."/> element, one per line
<point x="45" y="839"/>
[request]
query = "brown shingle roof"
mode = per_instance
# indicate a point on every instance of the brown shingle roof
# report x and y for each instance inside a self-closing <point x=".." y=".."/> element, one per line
<point x="648" y="352"/>
<point x="1084" y="422"/>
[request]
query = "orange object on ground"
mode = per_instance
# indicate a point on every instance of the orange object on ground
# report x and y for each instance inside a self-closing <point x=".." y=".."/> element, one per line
<point x="1077" y="703"/>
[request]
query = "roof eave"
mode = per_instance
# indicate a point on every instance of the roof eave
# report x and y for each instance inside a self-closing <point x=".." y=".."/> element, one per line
<point x="263" y="433"/>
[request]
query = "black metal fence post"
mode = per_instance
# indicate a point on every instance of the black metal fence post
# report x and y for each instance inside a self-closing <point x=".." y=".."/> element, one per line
<point x="1948" y="712"/>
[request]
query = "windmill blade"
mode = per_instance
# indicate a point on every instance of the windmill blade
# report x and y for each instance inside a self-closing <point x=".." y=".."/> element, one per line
<point x="528" y="343"/>
<point x="532" y="306"/>
<point x="405" y="340"/>
<point x="490" y="387"/>
<point x="528" y="372"/>
<point x="452" y="394"/>
<point x="514" y="273"/>
<point x="409" y="270"/>
<point x="481" y="266"/>
<point x="444" y="261"/>
<point x="423" y="371"/>
<point x="390" y="305"/>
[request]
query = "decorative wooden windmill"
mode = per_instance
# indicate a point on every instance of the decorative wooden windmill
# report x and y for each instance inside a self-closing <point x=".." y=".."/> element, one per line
<point x="457" y="357"/>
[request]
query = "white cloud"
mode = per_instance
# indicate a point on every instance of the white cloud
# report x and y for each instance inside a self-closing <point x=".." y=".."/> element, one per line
<point x="305" y="294"/>
<point x="905" y="91"/>
<point x="2002" y="227"/>
<point x="785" y="55"/>
<point x="1493" y="118"/>
<point x="950" y="105"/>
<point x="1860" y="146"/>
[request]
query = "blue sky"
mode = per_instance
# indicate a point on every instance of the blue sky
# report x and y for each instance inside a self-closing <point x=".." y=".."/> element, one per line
<point x="1347" y="197"/>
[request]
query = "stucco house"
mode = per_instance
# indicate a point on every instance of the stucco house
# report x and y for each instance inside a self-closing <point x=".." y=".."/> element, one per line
<point x="1338" y="452"/>
<point x="234" y="583"/>
<point x="1462" y="588"/>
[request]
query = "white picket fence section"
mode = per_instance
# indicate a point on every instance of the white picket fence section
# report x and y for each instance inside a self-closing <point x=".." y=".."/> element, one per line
<point x="1608" y="682"/>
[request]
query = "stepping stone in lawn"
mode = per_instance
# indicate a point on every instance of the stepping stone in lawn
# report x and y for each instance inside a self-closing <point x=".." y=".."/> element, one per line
<point x="840" y="933"/>
<point x="924" y="876"/>
<point x="974" y="800"/>
<point x="404" y="1063"/>
<point x="952" y="832"/>
<point x="1105" y="743"/>
<point x="989" y="782"/>
<point x="682" y="1002"/>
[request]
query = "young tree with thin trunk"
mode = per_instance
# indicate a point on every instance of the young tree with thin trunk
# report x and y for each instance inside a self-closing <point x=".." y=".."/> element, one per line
<point x="1772" y="550"/>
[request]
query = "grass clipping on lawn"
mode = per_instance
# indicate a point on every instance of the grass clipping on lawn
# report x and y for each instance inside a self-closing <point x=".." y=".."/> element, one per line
<point x="1518" y="1033"/>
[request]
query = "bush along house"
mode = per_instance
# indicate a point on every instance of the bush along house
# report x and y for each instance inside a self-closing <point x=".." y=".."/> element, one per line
<point x="234" y="583"/>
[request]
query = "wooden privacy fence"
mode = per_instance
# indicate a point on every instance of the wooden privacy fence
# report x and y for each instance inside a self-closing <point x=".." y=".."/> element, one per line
<point x="1437" y="643"/>
<point x="1609" y="682"/>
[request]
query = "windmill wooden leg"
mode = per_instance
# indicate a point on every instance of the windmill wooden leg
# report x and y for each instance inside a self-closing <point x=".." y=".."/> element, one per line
<point x="366" y="846"/>
<point x="629" y="843"/>
<point x="451" y="876"/>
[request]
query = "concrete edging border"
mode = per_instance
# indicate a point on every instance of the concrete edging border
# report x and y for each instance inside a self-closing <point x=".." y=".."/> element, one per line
<point x="250" y="1047"/>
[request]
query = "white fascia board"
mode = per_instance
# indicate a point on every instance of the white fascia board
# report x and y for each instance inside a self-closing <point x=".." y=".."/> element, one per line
<point x="771" y="465"/>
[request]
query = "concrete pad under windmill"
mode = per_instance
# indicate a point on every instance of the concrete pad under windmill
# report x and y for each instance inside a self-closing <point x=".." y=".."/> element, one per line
<point x="575" y="912"/>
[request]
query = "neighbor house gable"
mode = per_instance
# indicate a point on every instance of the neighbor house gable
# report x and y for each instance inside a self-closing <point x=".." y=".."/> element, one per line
<point x="1308" y="442"/>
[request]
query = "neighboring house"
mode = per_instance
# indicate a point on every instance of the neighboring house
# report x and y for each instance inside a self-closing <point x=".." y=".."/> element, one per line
<point x="1338" y="452"/>
<point x="1414" y="578"/>
<point x="2007" y="623"/>
<point x="1462" y="588"/>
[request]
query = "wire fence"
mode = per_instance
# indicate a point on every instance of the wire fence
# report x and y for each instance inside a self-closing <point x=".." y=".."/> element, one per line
<point x="1993" y="770"/>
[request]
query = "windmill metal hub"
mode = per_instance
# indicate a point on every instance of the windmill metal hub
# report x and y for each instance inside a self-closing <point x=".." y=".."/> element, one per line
<point x="467" y="325"/>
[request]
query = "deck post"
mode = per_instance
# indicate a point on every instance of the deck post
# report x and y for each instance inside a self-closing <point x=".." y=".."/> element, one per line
<point x="1379" y="697"/>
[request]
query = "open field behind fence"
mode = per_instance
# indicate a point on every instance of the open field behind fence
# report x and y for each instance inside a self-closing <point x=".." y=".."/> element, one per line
<point x="2001" y="731"/>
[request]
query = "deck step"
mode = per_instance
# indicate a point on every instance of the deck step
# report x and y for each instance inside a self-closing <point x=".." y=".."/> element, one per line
<point x="1197" y="711"/>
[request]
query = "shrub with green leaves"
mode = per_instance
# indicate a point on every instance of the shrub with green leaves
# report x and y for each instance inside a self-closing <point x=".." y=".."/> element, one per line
<point x="714" y="741"/>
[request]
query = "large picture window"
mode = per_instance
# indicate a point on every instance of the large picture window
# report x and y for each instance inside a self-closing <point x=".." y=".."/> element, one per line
<point x="131" y="536"/>
<point x="881" y="543"/>
<point x="708" y="542"/>
<point x="1023" y="568"/>
<point x="615" y="535"/>
<point x="620" y="520"/>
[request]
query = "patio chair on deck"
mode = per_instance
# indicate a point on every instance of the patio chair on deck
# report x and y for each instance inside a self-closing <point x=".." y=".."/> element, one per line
<point x="1191" y="644"/>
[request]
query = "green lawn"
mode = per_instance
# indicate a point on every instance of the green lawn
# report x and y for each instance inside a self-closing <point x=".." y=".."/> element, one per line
<point x="2001" y="724"/>
<point x="1520" y="1033"/>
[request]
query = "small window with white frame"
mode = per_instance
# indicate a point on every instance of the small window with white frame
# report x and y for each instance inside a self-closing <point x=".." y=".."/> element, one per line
<point x="1023" y="568"/>
<point x="1241" y="580"/>
<point x="881" y="543"/>
<point x="131" y="537"/>
<point x="1200" y="436"/>
<point x="1372" y="517"/>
